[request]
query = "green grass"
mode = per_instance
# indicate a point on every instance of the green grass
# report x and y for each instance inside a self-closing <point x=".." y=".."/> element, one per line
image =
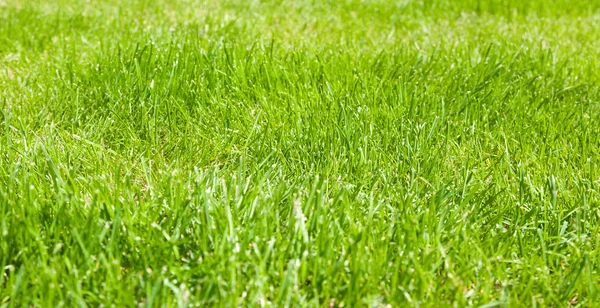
<point x="299" y="153"/>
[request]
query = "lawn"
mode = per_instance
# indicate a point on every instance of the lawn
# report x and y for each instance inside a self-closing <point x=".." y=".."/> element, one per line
<point x="299" y="153"/>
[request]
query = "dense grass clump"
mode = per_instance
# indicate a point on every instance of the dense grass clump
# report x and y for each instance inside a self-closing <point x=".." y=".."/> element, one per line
<point x="299" y="153"/>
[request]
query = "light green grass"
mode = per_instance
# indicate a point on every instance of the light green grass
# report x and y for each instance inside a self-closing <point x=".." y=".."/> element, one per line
<point x="299" y="153"/>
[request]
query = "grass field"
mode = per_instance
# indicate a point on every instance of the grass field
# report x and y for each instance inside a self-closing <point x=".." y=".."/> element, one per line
<point x="299" y="153"/>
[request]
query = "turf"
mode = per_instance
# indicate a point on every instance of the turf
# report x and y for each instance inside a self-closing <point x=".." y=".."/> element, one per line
<point x="299" y="153"/>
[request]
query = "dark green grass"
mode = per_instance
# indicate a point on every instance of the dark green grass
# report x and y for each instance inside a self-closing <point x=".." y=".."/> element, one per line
<point x="418" y="153"/>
